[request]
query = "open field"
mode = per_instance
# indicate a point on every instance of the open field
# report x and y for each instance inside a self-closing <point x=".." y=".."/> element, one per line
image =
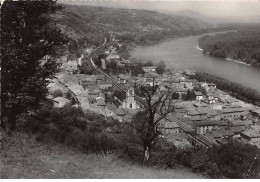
<point x="23" y="157"/>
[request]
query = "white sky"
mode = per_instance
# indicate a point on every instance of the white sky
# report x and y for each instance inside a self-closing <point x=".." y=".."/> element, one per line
<point x="216" y="8"/>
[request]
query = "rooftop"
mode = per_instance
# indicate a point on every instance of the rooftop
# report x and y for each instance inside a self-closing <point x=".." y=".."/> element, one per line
<point x="206" y="123"/>
<point x="198" y="93"/>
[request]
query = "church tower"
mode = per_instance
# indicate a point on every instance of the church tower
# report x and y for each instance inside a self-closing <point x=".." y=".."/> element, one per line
<point x="129" y="102"/>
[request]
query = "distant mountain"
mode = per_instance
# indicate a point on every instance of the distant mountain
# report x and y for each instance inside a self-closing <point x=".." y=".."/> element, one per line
<point x="217" y="20"/>
<point x="90" y="23"/>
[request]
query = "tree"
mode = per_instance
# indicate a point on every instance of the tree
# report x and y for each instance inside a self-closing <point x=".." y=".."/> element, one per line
<point x="86" y="69"/>
<point x="190" y="95"/>
<point x="57" y="93"/>
<point x="157" y="106"/>
<point x="160" y="67"/>
<point x="175" y="95"/>
<point x="97" y="61"/>
<point x="27" y="36"/>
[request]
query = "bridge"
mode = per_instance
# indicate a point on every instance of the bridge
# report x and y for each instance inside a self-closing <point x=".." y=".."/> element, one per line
<point x="191" y="133"/>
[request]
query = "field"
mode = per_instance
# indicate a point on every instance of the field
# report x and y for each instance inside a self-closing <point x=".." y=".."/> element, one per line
<point x="23" y="157"/>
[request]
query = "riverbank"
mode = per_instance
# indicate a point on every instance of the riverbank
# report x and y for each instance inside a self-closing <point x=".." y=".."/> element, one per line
<point x="184" y="53"/>
<point x="240" y="46"/>
<point x="234" y="89"/>
<point x="237" y="61"/>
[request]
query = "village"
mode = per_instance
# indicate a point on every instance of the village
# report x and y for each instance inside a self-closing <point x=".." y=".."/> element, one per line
<point x="200" y="105"/>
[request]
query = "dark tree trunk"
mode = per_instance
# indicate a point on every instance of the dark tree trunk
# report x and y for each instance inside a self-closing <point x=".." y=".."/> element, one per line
<point x="12" y="121"/>
<point x="147" y="150"/>
<point x="3" y="127"/>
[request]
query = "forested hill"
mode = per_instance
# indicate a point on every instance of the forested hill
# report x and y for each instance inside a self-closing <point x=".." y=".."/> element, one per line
<point x="243" y="45"/>
<point x="139" y="26"/>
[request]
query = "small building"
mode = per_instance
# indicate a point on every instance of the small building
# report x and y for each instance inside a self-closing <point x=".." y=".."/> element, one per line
<point x="204" y="126"/>
<point x="148" y="69"/>
<point x="60" y="101"/>
<point x="78" y="89"/>
<point x="100" y="101"/>
<point x="122" y="79"/>
<point x="255" y="114"/>
<point x="167" y="127"/>
<point x="212" y="85"/>
<point x="199" y="95"/>
<point x="251" y="136"/>
<point x="231" y="113"/>
<point x="105" y="85"/>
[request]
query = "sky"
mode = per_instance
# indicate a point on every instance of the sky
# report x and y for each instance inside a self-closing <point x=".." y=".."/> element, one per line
<point x="215" y="8"/>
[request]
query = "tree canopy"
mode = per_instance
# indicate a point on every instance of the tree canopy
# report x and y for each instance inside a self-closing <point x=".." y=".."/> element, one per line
<point x="27" y="36"/>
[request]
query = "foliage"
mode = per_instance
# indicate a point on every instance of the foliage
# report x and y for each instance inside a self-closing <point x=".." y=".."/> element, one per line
<point x="160" y="67"/>
<point x="237" y="90"/>
<point x="175" y="95"/>
<point x="157" y="107"/>
<point x="97" y="61"/>
<point x="120" y="95"/>
<point x="190" y="95"/>
<point x="27" y="35"/>
<point x="241" y="45"/>
<point x="85" y="68"/>
<point x="57" y="93"/>
<point x="88" y="24"/>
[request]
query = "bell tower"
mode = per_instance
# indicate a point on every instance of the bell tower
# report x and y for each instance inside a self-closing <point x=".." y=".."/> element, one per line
<point x="129" y="102"/>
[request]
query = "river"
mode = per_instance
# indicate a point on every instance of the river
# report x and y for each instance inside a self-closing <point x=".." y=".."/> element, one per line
<point x="184" y="53"/>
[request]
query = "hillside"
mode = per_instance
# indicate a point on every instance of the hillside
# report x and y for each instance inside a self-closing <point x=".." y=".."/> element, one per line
<point x="140" y="26"/>
<point x="243" y="45"/>
<point x="23" y="157"/>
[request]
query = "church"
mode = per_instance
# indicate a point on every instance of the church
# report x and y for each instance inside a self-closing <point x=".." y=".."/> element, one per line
<point x="129" y="102"/>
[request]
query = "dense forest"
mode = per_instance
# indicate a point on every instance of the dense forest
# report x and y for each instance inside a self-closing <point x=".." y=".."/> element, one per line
<point x="88" y="24"/>
<point x="234" y="89"/>
<point x="242" y="45"/>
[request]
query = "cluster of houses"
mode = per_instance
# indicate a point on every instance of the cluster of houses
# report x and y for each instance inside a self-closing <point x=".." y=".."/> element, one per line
<point x="212" y="112"/>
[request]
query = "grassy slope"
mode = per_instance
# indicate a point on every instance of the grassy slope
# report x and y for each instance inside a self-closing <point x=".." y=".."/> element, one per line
<point x="23" y="157"/>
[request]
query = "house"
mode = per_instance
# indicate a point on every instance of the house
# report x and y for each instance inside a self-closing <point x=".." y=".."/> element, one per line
<point x="188" y="83"/>
<point x="210" y="99"/>
<point x="100" y="78"/>
<point x="255" y="114"/>
<point x="212" y="85"/>
<point x="200" y="104"/>
<point x="181" y="91"/>
<point x="122" y="78"/>
<point x="105" y="85"/>
<point x="86" y="84"/>
<point x="199" y="95"/>
<point x="216" y="106"/>
<point x="231" y="113"/>
<point x="100" y="101"/>
<point x="78" y="89"/>
<point x="197" y="113"/>
<point x="167" y="127"/>
<point x="251" y="136"/>
<point x="93" y="89"/>
<point x="148" y="69"/>
<point x="204" y="126"/>
<point x="60" y="101"/>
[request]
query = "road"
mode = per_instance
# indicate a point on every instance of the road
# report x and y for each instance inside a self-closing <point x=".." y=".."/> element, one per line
<point x="187" y="129"/>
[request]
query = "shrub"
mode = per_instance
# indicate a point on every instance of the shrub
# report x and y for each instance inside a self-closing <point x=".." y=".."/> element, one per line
<point x="57" y="93"/>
